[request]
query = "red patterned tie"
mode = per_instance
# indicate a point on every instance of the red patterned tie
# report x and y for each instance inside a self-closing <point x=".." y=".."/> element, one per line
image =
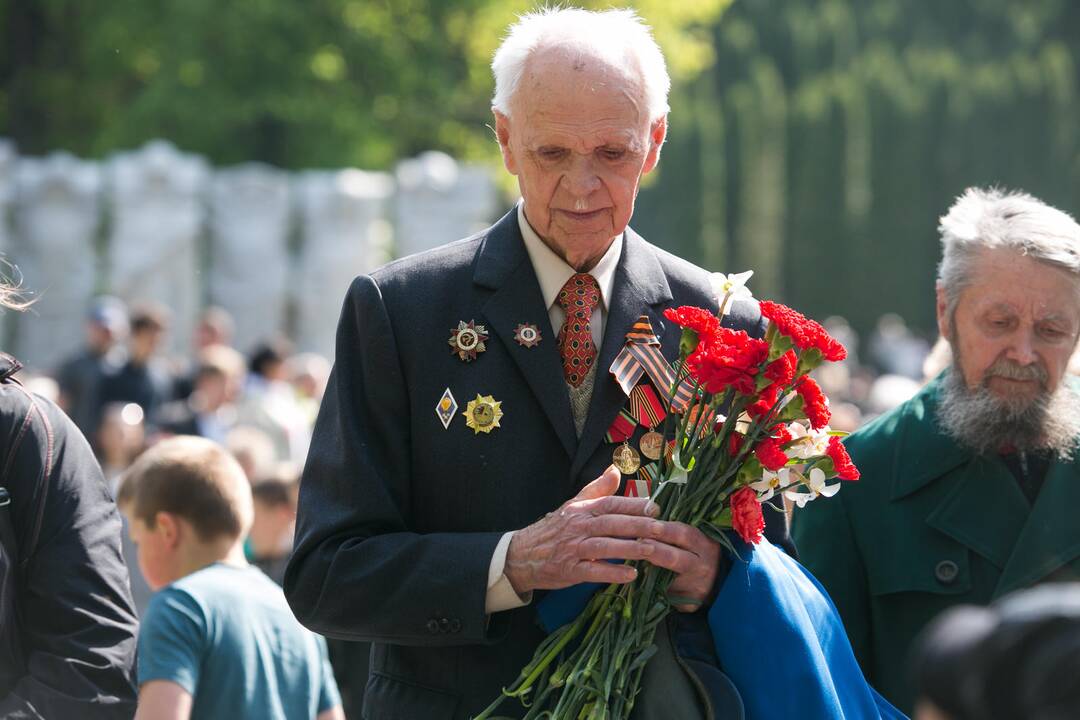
<point x="578" y="297"/>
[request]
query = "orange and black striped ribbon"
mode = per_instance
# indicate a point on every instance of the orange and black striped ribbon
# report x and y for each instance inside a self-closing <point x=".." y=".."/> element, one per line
<point x="646" y="407"/>
<point x="642" y="355"/>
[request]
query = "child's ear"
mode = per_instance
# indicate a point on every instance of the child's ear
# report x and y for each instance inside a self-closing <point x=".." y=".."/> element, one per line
<point x="167" y="526"/>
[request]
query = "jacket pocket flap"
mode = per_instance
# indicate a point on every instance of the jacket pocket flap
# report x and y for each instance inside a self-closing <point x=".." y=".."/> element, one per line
<point x="390" y="697"/>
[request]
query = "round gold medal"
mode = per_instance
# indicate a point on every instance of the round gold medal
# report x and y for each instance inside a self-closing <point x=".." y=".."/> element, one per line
<point x="652" y="445"/>
<point x="626" y="459"/>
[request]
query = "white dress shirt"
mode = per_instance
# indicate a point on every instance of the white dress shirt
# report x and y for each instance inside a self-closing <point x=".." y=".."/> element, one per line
<point x="552" y="272"/>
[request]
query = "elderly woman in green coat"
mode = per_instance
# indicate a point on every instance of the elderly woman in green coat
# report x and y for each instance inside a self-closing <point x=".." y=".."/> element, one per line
<point x="968" y="490"/>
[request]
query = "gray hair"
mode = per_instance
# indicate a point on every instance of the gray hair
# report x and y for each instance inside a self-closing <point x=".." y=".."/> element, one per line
<point x="618" y="36"/>
<point x="990" y="219"/>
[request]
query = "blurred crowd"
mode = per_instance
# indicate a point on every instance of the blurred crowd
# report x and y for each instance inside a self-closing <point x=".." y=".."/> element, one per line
<point x="125" y="394"/>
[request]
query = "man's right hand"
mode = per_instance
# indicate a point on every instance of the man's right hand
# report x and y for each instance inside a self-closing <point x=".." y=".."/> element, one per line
<point x="570" y="546"/>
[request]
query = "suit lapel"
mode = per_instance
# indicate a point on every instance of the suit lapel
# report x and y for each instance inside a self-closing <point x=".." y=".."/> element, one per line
<point x="1050" y="540"/>
<point x="640" y="288"/>
<point x="503" y="266"/>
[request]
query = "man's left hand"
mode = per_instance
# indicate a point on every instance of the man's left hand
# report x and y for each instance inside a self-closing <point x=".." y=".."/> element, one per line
<point x="695" y="560"/>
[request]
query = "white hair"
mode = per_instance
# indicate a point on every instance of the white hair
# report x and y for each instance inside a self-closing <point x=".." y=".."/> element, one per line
<point x="991" y="219"/>
<point x="619" y="37"/>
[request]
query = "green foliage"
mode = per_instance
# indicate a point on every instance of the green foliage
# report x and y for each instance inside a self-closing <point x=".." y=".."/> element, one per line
<point x="829" y="137"/>
<point x="297" y="84"/>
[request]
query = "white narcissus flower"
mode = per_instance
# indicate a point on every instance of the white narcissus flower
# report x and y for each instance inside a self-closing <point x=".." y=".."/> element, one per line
<point x="817" y="486"/>
<point x="771" y="482"/>
<point x="728" y="287"/>
<point x="807" y="443"/>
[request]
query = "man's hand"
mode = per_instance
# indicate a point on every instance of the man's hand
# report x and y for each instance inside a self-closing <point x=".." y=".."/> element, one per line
<point x="571" y="545"/>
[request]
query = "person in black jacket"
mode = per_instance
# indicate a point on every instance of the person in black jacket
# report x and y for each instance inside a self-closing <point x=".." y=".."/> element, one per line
<point x="67" y="623"/>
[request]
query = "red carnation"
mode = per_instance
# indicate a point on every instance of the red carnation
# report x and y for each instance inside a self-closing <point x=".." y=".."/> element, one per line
<point x="735" y="441"/>
<point x="730" y="358"/>
<point x="781" y="434"/>
<point x="746" y="517"/>
<point x="765" y="401"/>
<point x="701" y="321"/>
<point x="782" y="370"/>
<point x="815" y="404"/>
<point x="803" y="331"/>
<point x="770" y="454"/>
<point x="845" y="469"/>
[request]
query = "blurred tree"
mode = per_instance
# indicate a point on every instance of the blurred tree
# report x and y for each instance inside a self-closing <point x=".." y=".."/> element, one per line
<point x="319" y="83"/>
<point x="828" y="138"/>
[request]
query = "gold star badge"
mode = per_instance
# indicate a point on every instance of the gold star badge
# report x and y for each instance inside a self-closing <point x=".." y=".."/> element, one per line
<point x="483" y="414"/>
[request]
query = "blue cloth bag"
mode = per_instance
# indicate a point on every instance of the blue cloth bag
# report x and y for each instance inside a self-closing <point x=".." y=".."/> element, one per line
<point x="778" y="638"/>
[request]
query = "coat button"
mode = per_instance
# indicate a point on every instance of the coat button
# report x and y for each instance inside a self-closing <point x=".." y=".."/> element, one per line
<point x="455" y="626"/>
<point x="946" y="572"/>
<point x="433" y="626"/>
<point x="444" y="625"/>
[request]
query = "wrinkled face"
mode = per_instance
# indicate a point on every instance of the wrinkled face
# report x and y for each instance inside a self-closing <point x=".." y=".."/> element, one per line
<point x="579" y="140"/>
<point x="1015" y="325"/>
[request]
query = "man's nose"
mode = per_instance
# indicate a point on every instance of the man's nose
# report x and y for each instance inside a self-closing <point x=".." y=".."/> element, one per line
<point x="582" y="179"/>
<point x="1022" y="350"/>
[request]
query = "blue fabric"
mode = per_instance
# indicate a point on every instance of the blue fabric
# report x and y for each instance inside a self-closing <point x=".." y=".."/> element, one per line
<point x="778" y="637"/>
<point x="226" y="635"/>
<point x="781" y="641"/>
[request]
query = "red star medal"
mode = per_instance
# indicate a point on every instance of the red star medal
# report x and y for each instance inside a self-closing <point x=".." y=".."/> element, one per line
<point x="527" y="335"/>
<point x="467" y="339"/>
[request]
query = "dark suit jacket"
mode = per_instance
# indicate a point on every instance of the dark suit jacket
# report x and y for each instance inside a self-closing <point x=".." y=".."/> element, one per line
<point x="930" y="525"/>
<point x="399" y="517"/>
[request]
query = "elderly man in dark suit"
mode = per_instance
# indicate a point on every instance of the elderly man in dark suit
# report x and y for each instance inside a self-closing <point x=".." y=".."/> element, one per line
<point x="471" y="398"/>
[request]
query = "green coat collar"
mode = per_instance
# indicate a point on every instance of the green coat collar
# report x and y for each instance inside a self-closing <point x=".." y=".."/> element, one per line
<point x="984" y="508"/>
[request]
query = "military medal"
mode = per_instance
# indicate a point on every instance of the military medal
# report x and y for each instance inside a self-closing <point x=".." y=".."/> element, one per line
<point x="446" y="408"/>
<point x="626" y="459"/>
<point x="467" y="339"/>
<point x="651" y="445"/>
<point x="483" y="414"/>
<point x="527" y="335"/>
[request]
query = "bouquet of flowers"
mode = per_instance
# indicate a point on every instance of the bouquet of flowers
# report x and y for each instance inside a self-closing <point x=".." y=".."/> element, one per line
<point x="750" y="423"/>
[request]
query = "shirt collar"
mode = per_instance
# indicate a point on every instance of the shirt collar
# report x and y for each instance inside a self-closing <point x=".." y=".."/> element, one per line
<point x="552" y="271"/>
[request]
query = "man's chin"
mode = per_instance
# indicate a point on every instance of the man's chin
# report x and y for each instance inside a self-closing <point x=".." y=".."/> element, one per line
<point x="1017" y="395"/>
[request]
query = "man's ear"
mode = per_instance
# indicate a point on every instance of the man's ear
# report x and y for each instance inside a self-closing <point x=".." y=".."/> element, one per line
<point x="657" y="135"/>
<point x="502" y="133"/>
<point x="168" y="527"/>
<point x="942" y="309"/>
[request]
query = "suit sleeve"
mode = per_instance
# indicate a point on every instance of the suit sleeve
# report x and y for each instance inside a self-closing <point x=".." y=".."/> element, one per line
<point x="77" y="623"/>
<point x="358" y="570"/>
<point x="828" y="549"/>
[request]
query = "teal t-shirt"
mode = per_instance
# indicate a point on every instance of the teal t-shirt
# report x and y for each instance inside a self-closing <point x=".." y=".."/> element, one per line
<point x="226" y="635"/>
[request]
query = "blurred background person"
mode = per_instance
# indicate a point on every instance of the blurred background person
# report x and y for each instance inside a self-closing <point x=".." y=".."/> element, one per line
<point x="121" y="437"/>
<point x="144" y="378"/>
<point x="215" y="327"/>
<point x="80" y="375"/>
<point x="253" y="449"/>
<point x="218" y="639"/>
<point x="209" y="411"/>
<point x="270" y="539"/>
<point x="1017" y="659"/>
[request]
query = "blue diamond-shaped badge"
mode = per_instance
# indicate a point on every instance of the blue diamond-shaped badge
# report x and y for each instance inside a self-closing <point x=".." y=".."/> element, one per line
<point x="446" y="408"/>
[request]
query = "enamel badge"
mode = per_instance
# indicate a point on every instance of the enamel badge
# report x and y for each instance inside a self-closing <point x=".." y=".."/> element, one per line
<point x="467" y="339"/>
<point x="483" y="414"/>
<point x="446" y="408"/>
<point x="527" y="335"/>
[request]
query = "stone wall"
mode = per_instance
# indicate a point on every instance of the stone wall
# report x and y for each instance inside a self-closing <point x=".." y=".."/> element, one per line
<point x="276" y="249"/>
